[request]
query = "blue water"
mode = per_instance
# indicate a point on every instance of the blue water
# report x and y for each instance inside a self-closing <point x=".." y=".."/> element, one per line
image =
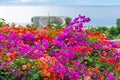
<point x="100" y="15"/>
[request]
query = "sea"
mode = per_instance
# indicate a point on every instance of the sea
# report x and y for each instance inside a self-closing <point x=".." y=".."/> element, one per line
<point x="100" y="15"/>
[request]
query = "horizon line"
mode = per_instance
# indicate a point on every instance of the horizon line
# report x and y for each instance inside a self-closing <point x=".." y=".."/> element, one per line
<point x="63" y="5"/>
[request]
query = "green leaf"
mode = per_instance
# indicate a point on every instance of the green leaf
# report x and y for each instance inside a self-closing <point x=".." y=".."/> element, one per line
<point x="88" y="41"/>
<point x="35" y="76"/>
<point x="89" y="59"/>
<point x="40" y="74"/>
<point x="2" y="78"/>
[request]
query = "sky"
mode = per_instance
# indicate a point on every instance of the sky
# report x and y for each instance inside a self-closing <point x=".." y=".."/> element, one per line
<point x="58" y="2"/>
<point x="102" y="12"/>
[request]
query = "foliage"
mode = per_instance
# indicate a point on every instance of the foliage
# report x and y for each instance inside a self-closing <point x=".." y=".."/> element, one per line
<point x="118" y="25"/>
<point x="68" y="20"/>
<point x="102" y="29"/>
<point x="113" y="31"/>
<point x="3" y="23"/>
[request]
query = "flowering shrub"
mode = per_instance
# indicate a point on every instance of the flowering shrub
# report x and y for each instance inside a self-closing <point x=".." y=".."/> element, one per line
<point x="70" y="53"/>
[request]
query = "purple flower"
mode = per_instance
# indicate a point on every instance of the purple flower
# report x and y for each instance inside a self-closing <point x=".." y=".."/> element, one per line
<point x="85" y="72"/>
<point x="17" y="74"/>
<point x="76" y="19"/>
<point x="72" y="23"/>
<point x="70" y="77"/>
<point x="81" y="25"/>
<point x="3" y="64"/>
<point x="114" y="45"/>
<point x="23" y="78"/>
<point x="82" y="66"/>
<point x="29" y="72"/>
<point x="105" y="71"/>
<point x="40" y="54"/>
<point x="110" y="77"/>
<point x="36" y="44"/>
<point x="95" y="76"/>
<point x="77" y="75"/>
<point x="10" y="71"/>
<point x="87" y="19"/>
<point x="83" y="21"/>
<point x="79" y="72"/>
<point x="82" y="17"/>
<point x="83" y="54"/>
<point x="77" y="63"/>
<point x="117" y="53"/>
<point x="45" y="43"/>
<point x="1" y="37"/>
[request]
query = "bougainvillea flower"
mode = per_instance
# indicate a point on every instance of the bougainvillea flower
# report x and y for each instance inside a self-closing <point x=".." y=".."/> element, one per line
<point x="110" y="77"/>
<point x="71" y="53"/>
<point x="111" y="61"/>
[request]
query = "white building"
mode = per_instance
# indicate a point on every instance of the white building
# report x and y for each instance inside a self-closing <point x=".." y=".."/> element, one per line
<point x="41" y="21"/>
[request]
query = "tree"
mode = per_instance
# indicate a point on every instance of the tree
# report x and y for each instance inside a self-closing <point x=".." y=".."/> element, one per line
<point x="118" y="25"/>
<point x="113" y="31"/>
<point x="3" y="22"/>
<point x="102" y="29"/>
<point x="68" y="20"/>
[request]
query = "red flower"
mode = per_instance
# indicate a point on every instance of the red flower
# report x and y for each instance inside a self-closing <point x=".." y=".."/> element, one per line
<point x="88" y="48"/>
<point x="103" y="59"/>
<point x="118" y="59"/>
<point x="111" y="61"/>
<point x="71" y="40"/>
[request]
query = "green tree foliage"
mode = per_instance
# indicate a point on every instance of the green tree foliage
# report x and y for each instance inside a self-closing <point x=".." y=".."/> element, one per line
<point x="118" y="24"/>
<point x="68" y="20"/>
<point x="113" y="31"/>
<point x="3" y="23"/>
<point x="102" y="29"/>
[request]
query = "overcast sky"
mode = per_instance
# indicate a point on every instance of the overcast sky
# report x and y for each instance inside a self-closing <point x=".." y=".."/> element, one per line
<point x="58" y="2"/>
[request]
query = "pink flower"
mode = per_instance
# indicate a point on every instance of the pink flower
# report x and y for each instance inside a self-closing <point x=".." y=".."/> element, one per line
<point x="23" y="78"/>
<point x="28" y="72"/>
<point x="118" y="59"/>
<point x="3" y="64"/>
<point x="118" y="77"/>
<point x="24" y="67"/>
<point x="87" y="78"/>
<point x="104" y="53"/>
